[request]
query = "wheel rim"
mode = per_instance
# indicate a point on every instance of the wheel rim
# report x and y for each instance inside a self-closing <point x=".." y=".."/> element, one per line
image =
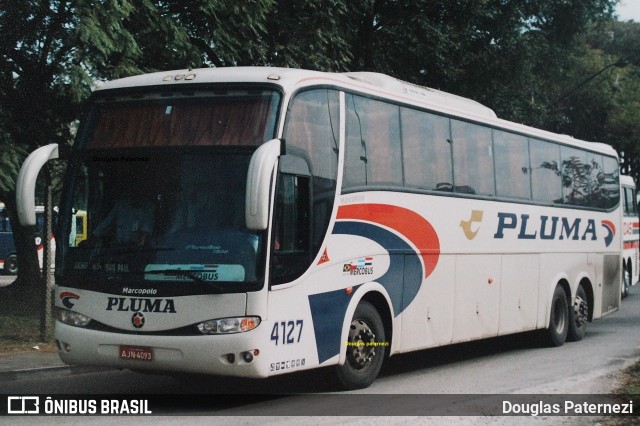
<point x="627" y="278"/>
<point x="581" y="311"/>
<point x="11" y="265"/>
<point x="361" y="351"/>
<point x="559" y="316"/>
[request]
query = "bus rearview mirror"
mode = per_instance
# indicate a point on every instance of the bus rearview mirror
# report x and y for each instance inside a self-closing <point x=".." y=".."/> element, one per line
<point x="259" y="177"/>
<point x="26" y="182"/>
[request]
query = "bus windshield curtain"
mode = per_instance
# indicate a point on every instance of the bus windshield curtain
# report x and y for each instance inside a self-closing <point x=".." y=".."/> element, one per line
<point x="237" y="123"/>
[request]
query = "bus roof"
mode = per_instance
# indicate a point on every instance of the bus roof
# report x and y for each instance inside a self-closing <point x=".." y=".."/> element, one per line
<point x="375" y="84"/>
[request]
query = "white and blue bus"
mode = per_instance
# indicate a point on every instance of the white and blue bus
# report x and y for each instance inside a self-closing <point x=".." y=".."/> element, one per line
<point x="259" y="221"/>
<point x="630" y="234"/>
<point x="8" y="251"/>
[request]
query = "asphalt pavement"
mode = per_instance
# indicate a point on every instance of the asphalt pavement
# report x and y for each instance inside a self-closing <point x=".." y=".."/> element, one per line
<point x="27" y="364"/>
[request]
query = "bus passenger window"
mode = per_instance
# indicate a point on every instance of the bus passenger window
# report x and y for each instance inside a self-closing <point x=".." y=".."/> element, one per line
<point x="546" y="185"/>
<point x="512" y="165"/>
<point x="472" y="158"/>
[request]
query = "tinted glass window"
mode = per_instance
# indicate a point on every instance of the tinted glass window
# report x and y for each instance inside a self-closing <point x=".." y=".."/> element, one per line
<point x="312" y="134"/>
<point x="513" y="178"/>
<point x="594" y="162"/>
<point x="373" y="152"/>
<point x="426" y="150"/>
<point x="610" y="182"/>
<point x="184" y="213"/>
<point x="355" y="155"/>
<point x="472" y="158"/>
<point x="5" y="225"/>
<point x="226" y="117"/>
<point x="629" y="202"/>
<point x="311" y="128"/>
<point x="545" y="172"/>
<point x="575" y="176"/>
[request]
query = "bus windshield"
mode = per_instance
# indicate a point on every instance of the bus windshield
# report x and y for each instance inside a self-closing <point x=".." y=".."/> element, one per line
<point x="163" y="187"/>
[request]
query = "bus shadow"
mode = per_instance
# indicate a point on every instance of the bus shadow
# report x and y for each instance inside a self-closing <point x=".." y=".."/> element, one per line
<point x="435" y="357"/>
<point x="323" y="380"/>
<point x="312" y="381"/>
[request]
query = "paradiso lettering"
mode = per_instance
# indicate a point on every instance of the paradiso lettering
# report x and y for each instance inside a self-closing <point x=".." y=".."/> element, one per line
<point x="552" y="228"/>
<point x="134" y="304"/>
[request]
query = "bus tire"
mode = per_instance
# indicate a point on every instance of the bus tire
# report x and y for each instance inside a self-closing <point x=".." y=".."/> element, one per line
<point x="11" y="264"/>
<point x="578" y="316"/>
<point x="626" y="279"/>
<point x="366" y="348"/>
<point x="558" y="328"/>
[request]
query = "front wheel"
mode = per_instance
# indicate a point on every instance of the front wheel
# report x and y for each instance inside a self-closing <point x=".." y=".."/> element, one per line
<point x="578" y="316"/>
<point x="558" y="328"/>
<point x="366" y="348"/>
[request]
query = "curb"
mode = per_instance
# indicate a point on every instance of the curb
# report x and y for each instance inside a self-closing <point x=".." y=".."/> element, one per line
<point x="9" y="376"/>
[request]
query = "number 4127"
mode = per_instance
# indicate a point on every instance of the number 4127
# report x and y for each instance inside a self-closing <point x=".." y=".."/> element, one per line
<point x="287" y="332"/>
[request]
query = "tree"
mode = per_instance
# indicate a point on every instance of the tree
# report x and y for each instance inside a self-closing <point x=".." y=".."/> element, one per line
<point x="308" y="34"/>
<point x="502" y="53"/>
<point x="620" y="40"/>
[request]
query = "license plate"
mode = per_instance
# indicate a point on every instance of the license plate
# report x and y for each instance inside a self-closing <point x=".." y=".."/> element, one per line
<point x="136" y="353"/>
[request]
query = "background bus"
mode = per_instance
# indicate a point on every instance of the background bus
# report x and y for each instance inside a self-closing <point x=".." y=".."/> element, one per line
<point x="8" y="253"/>
<point x="260" y="221"/>
<point x="631" y="230"/>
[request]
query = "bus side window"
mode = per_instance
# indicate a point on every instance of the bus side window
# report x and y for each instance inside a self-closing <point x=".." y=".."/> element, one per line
<point x="291" y="232"/>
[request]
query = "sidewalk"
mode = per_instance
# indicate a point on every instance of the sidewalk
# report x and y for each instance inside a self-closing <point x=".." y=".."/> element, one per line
<point x="21" y="365"/>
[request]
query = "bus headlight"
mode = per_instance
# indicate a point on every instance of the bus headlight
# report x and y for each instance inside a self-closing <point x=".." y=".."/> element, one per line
<point x="229" y="325"/>
<point x="72" y="318"/>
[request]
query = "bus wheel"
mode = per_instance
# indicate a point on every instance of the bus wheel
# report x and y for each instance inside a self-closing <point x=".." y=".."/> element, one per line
<point x="626" y="280"/>
<point x="578" y="316"/>
<point x="366" y="347"/>
<point x="559" y="320"/>
<point x="11" y="264"/>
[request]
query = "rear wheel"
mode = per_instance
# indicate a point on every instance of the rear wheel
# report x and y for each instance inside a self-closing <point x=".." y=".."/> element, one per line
<point x="626" y="280"/>
<point x="11" y="264"/>
<point x="578" y="316"/>
<point x="366" y="348"/>
<point x="559" y="320"/>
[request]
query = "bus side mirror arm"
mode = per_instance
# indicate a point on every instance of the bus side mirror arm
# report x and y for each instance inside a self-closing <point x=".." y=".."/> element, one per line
<point x="259" y="177"/>
<point x="26" y="182"/>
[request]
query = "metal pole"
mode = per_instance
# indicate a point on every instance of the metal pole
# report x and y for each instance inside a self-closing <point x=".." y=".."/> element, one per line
<point x="47" y="260"/>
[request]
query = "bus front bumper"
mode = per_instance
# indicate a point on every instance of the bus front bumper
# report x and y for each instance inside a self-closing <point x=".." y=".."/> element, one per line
<point x="221" y="355"/>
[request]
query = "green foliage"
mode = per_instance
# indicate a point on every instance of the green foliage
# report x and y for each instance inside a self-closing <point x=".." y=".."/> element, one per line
<point x="11" y="158"/>
<point x="309" y="34"/>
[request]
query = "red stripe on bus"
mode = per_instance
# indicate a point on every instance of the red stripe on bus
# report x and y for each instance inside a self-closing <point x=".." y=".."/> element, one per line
<point x="407" y="222"/>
